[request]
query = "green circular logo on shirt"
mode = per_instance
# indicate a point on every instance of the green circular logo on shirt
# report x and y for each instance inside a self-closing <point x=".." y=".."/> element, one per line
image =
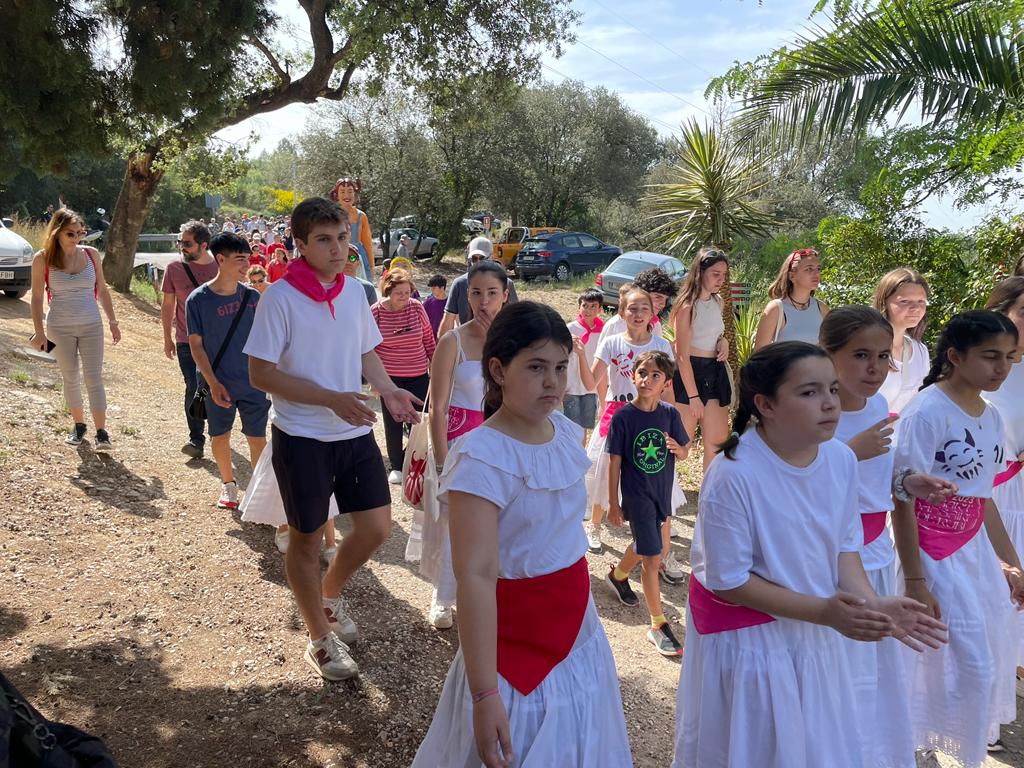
<point x="650" y="451"/>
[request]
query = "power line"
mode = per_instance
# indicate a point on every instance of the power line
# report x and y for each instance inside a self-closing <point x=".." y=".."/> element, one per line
<point x="653" y="39"/>
<point x="649" y="82"/>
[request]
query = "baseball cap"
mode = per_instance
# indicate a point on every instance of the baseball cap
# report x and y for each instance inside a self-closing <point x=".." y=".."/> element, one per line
<point x="480" y="246"/>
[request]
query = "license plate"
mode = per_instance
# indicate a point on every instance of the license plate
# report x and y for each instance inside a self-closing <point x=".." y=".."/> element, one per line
<point x="6" y="274"/>
<point x="526" y="258"/>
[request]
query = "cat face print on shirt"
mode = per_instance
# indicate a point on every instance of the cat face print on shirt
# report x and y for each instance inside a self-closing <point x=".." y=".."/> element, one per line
<point x="962" y="458"/>
<point x="624" y="364"/>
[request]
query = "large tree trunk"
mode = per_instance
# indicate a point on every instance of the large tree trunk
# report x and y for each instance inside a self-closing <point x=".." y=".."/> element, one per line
<point x="138" y="190"/>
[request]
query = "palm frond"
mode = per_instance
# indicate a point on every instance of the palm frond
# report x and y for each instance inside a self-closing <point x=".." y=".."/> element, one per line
<point x="954" y="60"/>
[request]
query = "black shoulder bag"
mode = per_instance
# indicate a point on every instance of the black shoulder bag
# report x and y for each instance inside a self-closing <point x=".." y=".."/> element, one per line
<point x="192" y="277"/>
<point x="197" y="408"/>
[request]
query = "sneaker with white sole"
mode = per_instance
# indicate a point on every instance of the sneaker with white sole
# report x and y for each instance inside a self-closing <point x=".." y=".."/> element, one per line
<point x="441" y="616"/>
<point x="336" y="611"/>
<point x="996" y="746"/>
<point x="328" y="554"/>
<point x="103" y="444"/>
<point x="76" y="435"/>
<point x="281" y="540"/>
<point x="330" y="658"/>
<point x="594" y="539"/>
<point x="228" y="496"/>
<point x="671" y="571"/>
<point x="395" y="477"/>
<point x="665" y="641"/>
<point x="622" y="589"/>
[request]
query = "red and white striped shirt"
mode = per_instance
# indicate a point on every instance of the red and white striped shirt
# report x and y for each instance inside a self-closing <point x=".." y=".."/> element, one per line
<point x="408" y="343"/>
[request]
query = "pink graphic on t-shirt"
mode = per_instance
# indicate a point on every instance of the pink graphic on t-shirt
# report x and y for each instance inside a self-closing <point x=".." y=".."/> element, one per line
<point x="462" y="420"/>
<point x="944" y="528"/>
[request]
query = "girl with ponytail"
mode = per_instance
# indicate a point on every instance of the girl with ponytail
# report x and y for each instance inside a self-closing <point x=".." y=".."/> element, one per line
<point x="777" y="579"/>
<point x="1008" y="299"/>
<point x="534" y="679"/>
<point x="965" y="567"/>
<point x="859" y="341"/>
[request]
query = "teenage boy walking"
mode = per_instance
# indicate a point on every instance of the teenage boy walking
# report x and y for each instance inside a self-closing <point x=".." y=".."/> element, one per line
<point x="312" y="339"/>
<point x="196" y="267"/>
<point x="644" y="439"/>
<point x="214" y="333"/>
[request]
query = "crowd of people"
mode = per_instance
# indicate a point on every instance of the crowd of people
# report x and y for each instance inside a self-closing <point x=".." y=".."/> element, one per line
<point x="856" y="584"/>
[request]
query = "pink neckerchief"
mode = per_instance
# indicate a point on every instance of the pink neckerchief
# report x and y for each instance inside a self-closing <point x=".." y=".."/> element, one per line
<point x="598" y="325"/>
<point x="303" y="279"/>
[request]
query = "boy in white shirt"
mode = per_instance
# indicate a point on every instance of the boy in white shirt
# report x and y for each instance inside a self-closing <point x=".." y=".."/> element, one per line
<point x="312" y="339"/>
<point x="580" y="403"/>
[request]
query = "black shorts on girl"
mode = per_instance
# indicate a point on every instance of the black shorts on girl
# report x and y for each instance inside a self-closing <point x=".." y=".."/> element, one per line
<point x="310" y="471"/>
<point x="712" y="381"/>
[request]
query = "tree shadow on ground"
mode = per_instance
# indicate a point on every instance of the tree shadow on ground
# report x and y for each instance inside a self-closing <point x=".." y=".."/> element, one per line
<point x="105" y="478"/>
<point x="124" y="691"/>
<point x="11" y="622"/>
<point x="143" y="305"/>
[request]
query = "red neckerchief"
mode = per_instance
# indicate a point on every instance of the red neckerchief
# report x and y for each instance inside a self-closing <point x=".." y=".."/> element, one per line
<point x="303" y="279"/>
<point x="598" y="325"/>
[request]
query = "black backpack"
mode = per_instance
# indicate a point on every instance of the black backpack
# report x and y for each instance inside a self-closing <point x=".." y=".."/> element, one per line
<point x="29" y="740"/>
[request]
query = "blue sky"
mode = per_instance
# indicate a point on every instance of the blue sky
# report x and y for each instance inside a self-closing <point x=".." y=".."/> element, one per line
<point x="658" y="55"/>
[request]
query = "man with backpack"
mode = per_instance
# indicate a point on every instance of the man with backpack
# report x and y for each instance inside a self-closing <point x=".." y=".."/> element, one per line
<point x="196" y="267"/>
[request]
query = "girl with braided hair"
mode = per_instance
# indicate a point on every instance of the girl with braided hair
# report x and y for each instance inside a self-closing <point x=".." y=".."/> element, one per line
<point x="964" y="567"/>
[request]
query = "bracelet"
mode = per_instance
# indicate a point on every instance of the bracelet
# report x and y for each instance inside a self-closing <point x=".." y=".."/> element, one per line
<point x="480" y="696"/>
<point x="898" y="489"/>
<point x="692" y="397"/>
<point x="914" y="578"/>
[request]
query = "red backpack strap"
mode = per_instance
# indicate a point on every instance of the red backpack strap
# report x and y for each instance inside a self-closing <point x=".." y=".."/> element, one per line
<point x="46" y="280"/>
<point x="91" y="253"/>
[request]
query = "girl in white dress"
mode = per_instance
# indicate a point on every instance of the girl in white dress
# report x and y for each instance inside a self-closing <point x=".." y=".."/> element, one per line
<point x="964" y="560"/>
<point x="859" y="340"/>
<point x="1008" y="493"/>
<point x="902" y="297"/>
<point x="777" y="581"/>
<point x="615" y="355"/>
<point x="456" y="407"/>
<point x="533" y="684"/>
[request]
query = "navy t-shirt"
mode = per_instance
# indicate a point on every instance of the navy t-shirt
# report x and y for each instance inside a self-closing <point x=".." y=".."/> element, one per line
<point x="648" y="466"/>
<point x="210" y="315"/>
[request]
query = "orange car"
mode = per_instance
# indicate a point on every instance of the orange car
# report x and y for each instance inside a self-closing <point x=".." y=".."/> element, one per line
<point x="507" y="248"/>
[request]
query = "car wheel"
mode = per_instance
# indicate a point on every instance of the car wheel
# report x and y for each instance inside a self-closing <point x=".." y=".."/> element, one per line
<point x="15" y="294"/>
<point x="433" y="249"/>
<point x="562" y="272"/>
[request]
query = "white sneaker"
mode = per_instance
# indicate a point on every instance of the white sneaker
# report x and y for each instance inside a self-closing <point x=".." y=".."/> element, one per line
<point x="594" y="539"/>
<point x="328" y="554"/>
<point x="672" y="567"/>
<point x="281" y="540"/>
<point x="228" y="496"/>
<point x="336" y="611"/>
<point x="441" y="616"/>
<point x="329" y="657"/>
<point x="395" y="477"/>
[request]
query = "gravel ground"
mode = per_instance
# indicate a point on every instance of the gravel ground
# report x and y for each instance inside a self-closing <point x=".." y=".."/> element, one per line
<point x="133" y="608"/>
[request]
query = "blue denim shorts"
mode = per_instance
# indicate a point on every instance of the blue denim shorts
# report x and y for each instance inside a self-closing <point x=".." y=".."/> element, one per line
<point x="253" y="406"/>
<point x="581" y="409"/>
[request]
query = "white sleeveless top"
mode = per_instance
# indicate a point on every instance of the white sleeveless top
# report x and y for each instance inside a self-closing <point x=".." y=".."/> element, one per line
<point x="468" y="382"/>
<point x="707" y="326"/>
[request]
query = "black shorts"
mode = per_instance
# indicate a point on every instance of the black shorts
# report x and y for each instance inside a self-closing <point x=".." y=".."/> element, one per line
<point x="310" y="471"/>
<point x="712" y="381"/>
<point x="645" y="519"/>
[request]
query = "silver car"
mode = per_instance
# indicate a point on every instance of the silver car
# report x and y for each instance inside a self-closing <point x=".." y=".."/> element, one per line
<point x="426" y="248"/>
<point x="629" y="265"/>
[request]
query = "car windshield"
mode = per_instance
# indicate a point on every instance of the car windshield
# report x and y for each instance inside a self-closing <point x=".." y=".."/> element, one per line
<point x="628" y="267"/>
<point x="534" y="244"/>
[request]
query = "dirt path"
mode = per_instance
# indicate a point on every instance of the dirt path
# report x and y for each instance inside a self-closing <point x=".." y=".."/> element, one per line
<point x="133" y="608"/>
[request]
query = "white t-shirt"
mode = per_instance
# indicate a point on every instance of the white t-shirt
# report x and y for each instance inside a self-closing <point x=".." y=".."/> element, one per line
<point x="575" y="384"/>
<point x="301" y="338"/>
<point x="618" y="354"/>
<point x="760" y="515"/>
<point x="1009" y="401"/>
<point x="617" y="325"/>
<point x="939" y="438"/>
<point x="903" y="383"/>
<point x="874" y="478"/>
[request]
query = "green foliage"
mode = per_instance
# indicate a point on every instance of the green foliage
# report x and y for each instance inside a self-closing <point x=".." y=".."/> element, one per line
<point x="746" y="329"/>
<point x="757" y="261"/>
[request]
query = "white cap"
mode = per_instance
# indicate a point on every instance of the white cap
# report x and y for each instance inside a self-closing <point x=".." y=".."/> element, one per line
<point x="480" y="245"/>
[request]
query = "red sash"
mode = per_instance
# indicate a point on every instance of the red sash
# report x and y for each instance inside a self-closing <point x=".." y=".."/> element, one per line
<point x="606" y="418"/>
<point x="944" y="528"/>
<point x="1013" y="469"/>
<point x="711" y="614"/>
<point x="874" y="524"/>
<point x="538" y="622"/>
<point x="462" y="420"/>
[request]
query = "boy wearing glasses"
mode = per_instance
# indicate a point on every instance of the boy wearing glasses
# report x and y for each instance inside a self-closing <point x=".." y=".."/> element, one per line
<point x="196" y="267"/>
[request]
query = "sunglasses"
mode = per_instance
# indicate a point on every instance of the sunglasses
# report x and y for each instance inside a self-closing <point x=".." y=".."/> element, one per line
<point x="76" y="235"/>
<point x="188" y="243"/>
<point x="398" y="331"/>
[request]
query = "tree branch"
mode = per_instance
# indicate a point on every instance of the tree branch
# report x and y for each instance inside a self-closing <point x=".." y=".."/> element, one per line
<point x="255" y="42"/>
<point x="336" y="94"/>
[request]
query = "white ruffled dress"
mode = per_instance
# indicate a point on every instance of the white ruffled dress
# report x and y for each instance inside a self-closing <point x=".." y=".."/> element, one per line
<point x="574" y="718"/>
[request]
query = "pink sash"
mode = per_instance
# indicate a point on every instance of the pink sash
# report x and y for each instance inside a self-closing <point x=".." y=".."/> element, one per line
<point x="1013" y="469"/>
<point x="711" y="614"/>
<point x="944" y="528"/>
<point x="462" y="420"/>
<point x="606" y="417"/>
<point x="538" y="622"/>
<point x="874" y="524"/>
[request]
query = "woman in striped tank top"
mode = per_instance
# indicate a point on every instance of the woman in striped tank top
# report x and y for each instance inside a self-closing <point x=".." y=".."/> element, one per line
<point x="71" y="276"/>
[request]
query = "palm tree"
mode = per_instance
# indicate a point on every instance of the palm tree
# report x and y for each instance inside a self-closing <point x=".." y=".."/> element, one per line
<point x="709" y="202"/>
<point x="957" y="61"/>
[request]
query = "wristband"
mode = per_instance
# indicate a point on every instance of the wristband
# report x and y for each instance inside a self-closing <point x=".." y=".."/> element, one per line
<point x="914" y="578"/>
<point x="692" y="397"/>
<point x="481" y="695"/>
<point x="898" y="489"/>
